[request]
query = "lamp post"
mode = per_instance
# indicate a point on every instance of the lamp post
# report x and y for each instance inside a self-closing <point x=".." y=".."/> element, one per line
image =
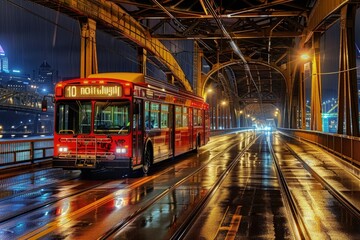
<point x="225" y="114"/>
<point x="221" y="115"/>
<point x="248" y="118"/>
<point x="241" y="120"/>
<point x="218" y="114"/>
<point x="212" y="113"/>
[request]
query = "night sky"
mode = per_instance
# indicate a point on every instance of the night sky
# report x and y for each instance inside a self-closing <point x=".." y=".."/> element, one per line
<point x="28" y="39"/>
<point x="29" y="35"/>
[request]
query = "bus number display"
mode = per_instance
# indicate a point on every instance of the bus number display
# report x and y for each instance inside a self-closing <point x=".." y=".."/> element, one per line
<point x="87" y="91"/>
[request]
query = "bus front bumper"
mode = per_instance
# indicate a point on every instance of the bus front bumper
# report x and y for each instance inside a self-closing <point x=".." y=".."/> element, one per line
<point x="68" y="163"/>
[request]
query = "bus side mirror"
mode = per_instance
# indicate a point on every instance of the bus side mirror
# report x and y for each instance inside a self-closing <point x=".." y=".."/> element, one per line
<point x="136" y="108"/>
<point x="44" y="105"/>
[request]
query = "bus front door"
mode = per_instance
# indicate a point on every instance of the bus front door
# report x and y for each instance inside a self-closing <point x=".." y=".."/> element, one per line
<point x="137" y="133"/>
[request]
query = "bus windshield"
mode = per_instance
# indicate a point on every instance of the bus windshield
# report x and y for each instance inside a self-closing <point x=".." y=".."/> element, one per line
<point x="75" y="117"/>
<point x="112" y="117"/>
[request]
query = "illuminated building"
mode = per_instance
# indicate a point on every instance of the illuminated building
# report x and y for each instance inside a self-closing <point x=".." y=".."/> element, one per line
<point x="4" y="63"/>
<point x="45" y="78"/>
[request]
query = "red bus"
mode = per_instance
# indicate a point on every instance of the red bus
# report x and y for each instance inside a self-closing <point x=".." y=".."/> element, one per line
<point x="125" y="121"/>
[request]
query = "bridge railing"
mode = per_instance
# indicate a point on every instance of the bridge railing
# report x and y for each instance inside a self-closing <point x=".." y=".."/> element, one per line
<point x="30" y="150"/>
<point x="344" y="146"/>
<point x="27" y="150"/>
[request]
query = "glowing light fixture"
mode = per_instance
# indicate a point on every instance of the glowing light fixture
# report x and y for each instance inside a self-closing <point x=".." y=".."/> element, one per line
<point x="63" y="149"/>
<point x="305" y="56"/>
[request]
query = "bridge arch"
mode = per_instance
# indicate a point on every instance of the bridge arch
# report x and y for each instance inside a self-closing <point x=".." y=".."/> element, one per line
<point x="220" y="66"/>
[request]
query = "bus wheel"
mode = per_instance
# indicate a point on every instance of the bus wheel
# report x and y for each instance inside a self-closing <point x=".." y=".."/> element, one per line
<point x="146" y="160"/>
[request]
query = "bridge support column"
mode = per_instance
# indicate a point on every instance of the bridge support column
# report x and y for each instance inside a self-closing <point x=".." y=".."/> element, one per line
<point x="302" y="99"/>
<point x="88" y="56"/>
<point x="316" y="121"/>
<point x="142" y="57"/>
<point x="198" y="79"/>
<point x="348" y="90"/>
<point x="284" y="116"/>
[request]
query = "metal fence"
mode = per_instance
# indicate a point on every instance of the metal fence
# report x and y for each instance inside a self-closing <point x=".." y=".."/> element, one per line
<point x="27" y="150"/>
<point x="343" y="146"/>
<point x="30" y="150"/>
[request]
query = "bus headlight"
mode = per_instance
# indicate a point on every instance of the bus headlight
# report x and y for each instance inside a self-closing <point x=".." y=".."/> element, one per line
<point x="121" y="150"/>
<point x="63" y="149"/>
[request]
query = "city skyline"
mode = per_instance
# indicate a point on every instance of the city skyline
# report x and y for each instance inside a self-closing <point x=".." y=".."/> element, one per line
<point x="30" y="34"/>
<point x="29" y="38"/>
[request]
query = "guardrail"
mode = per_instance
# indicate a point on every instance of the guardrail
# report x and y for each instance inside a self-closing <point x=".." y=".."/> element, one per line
<point x="30" y="150"/>
<point x="25" y="150"/>
<point x="344" y="146"/>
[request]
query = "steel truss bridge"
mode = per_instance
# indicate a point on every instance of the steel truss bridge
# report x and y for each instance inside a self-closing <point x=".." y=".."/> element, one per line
<point x="21" y="101"/>
<point x="250" y="47"/>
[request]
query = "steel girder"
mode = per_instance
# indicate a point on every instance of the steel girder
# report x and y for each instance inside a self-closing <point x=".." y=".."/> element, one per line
<point x="348" y="109"/>
<point x="114" y="19"/>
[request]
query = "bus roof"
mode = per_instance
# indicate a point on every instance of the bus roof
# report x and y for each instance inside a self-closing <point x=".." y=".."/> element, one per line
<point x="128" y="76"/>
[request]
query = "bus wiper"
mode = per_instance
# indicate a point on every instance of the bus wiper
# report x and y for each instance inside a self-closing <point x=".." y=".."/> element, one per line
<point x="79" y="104"/>
<point x="108" y="102"/>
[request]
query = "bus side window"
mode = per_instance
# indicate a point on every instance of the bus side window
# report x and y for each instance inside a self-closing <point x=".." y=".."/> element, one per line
<point x="147" y="115"/>
<point x="137" y="121"/>
<point x="178" y="116"/>
<point x="164" y="115"/>
<point x="195" y="117"/>
<point x="154" y="115"/>
<point x="200" y="117"/>
<point x="185" y="117"/>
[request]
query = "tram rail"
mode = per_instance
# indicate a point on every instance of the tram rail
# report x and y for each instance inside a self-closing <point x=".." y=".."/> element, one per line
<point x="174" y="199"/>
<point x="102" y="200"/>
<point x="297" y="223"/>
<point x="301" y="227"/>
<point x="185" y="223"/>
<point x="334" y="191"/>
<point x="36" y="191"/>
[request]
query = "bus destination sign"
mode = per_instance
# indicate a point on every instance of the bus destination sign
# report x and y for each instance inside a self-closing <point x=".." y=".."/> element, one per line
<point x="89" y="91"/>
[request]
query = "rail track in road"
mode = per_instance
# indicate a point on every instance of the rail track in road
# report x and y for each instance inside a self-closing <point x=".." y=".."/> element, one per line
<point x="186" y="221"/>
<point x="316" y="207"/>
<point x="105" y="192"/>
<point x="19" y="192"/>
<point x="316" y="201"/>
<point x="229" y="189"/>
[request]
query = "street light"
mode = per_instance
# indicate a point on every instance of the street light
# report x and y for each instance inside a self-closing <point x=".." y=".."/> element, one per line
<point x="305" y="56"/>
<point x="241" y="118"/>
<point x="222" y="114"/>
<point x="217" y="115"/>
<point x="212" y="113"/>
<point x="208" y="91"/>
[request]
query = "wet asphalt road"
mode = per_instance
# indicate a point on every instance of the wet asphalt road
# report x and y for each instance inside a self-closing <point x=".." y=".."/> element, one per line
<point x="248" y="203"/>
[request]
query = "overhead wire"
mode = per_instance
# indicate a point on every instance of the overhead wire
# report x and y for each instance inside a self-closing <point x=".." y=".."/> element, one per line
<point x="235" y="48"/>
<point x="178" y="23"/>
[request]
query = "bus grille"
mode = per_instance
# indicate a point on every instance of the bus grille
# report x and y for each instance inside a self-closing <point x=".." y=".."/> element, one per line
<point x="87" y="151"/>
